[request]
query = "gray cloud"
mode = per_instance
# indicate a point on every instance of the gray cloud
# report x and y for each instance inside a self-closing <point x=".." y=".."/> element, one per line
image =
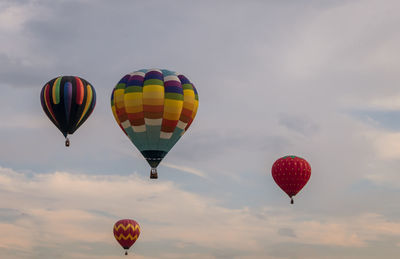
<point x="288" y="232"/>
<point x="10" y="215"/>
<point x="300" y="124"/>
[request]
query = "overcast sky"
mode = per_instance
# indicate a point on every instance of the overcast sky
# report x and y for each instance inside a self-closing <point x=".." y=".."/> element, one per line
<point x="317" y="79"/>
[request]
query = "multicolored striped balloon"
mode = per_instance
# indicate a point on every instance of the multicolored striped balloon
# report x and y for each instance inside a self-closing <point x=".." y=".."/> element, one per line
<point x="154" y="107"/>
<point x="68" y="101"/>
<point x="126" y="232"/>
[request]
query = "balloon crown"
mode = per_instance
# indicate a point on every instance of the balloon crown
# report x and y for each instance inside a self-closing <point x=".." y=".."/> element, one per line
<point x="292" y="156"/>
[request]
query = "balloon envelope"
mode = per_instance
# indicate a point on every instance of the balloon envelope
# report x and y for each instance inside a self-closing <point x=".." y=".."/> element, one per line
<point x="291" y="173"/>
<point x="126" y="232"/>
<point x="68" y="101"/>
<point x="154" y="108"/>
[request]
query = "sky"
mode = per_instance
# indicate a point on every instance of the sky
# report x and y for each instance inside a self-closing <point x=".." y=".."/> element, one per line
<point x="317" y="79"/>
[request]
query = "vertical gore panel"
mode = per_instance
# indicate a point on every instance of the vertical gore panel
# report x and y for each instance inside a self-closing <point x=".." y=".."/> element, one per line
<point x="133" y="100"/>
<point x="48" y="103"/>
<point x="153" y="106"/>
<point x="67" y="100"/>
<point x="79" y="91"/>
<point x="173" y="104"/>
<point x="88" y="102"/>
<point x="56" y="90"/>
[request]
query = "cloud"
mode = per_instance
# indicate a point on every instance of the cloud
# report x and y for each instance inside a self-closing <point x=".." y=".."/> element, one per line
<point x="13" y="16"/>
<point x="186" y="169"/>
<point x="299" y="124"/>
<point x="386" y="103"/>
<point x="286" y="232"/>
<point x="388" y="145"/>
<point x="79" y="210"/>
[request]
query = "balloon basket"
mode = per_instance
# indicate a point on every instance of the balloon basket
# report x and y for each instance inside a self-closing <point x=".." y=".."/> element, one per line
<point x="67" y="142"/>
<point x="153" y="173"/>
<point x="291" y="201"/>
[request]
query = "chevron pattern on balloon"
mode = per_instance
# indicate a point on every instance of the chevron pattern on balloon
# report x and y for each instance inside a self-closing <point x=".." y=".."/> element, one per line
<point x="125" y="228"/>
<point x="129" y="236"/>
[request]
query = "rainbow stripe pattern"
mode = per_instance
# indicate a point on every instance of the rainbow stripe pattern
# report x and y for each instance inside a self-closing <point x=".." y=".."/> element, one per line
<point x="68" y="101"/>
<point x="126" y="232"/>
<point x="154" y="107"/>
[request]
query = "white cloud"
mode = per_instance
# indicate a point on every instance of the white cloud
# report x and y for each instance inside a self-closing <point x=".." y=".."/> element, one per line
<point x="21" y="237"/>
<point x="386" y="103"/>
<point x="388" y="145"/>
<point x="63" y="208"/>
<point x="186" y="169"/>
<point x="381" y="102"/>
<point x="13" y="17"/>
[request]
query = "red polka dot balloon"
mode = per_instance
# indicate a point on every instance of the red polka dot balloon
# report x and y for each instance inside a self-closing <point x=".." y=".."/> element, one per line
<point x="291" y="173"/>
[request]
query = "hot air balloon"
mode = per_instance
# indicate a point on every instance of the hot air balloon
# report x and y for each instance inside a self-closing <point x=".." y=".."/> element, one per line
<point x="126" y="232"/>
<point x="154" y="108"/>
<point x="68" y="101"/>
<point x="291" y="173"/>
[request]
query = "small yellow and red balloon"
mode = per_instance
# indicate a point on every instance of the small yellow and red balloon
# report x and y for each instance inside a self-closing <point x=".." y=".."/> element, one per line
<point x="126" y="232"/>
